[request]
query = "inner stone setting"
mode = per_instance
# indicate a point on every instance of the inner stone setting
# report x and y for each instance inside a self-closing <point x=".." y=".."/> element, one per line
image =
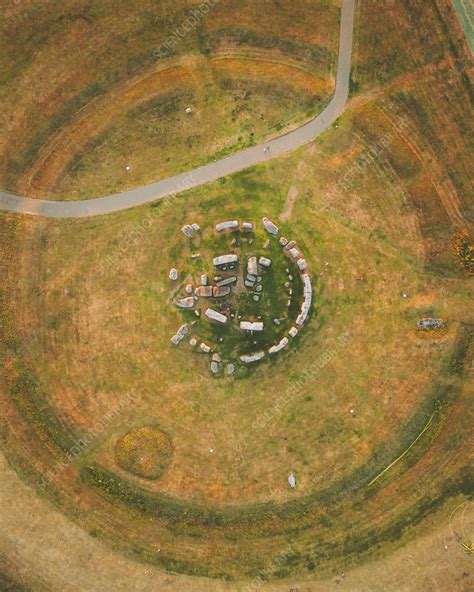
<point x="250" y="303"/>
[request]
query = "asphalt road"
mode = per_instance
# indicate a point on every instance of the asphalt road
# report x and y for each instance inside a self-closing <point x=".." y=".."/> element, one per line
<point x="213" y="171"/>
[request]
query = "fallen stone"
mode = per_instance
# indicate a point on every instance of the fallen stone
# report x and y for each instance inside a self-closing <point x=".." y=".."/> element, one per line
<point x="269" y="226"/>
<point x="430" y="324"/>
<point x="292" y="480"/>
<point x="186" y="302"/>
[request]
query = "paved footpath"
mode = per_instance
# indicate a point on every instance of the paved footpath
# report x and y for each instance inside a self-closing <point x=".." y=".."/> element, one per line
<point x="213" y="171"/>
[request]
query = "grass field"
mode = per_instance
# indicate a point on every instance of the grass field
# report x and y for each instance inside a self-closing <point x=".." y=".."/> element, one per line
<point x="372" y="416"/>
<point x="114" y="98"/>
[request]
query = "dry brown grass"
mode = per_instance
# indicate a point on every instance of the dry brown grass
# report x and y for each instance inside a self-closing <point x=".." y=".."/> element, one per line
<point x="110" y="332"/>
<point x="80" y="56"/>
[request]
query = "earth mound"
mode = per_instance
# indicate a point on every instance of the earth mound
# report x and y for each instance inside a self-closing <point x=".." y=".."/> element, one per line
<point x="145" y="452"/>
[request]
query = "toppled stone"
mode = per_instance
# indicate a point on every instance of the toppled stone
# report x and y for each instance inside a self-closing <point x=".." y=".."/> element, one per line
<point x="173" y="274"/>
<point x="252" y="266"/>
<point x="215" y="316"/>
<point x="204" y="291"/>
<point x="269" y="226"/>
<point x="230" y="369"/>
<point x="225" y="259"/>
<point x="292" y="480"/>
<point x="214" y="367"/>
<point x="227" y="281"/>
<point x="220" y="292"/>
<point x="186" y="302"/>
<point x="430" y="324"/>
<point x="180" y="334"/>
<point x="205" y="348"/>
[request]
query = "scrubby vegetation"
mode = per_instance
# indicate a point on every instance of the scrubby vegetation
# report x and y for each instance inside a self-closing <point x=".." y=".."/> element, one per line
<point x="144" y="452"/>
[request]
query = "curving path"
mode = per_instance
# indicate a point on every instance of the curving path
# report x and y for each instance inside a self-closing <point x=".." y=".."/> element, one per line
<point x="210" y="172"/>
